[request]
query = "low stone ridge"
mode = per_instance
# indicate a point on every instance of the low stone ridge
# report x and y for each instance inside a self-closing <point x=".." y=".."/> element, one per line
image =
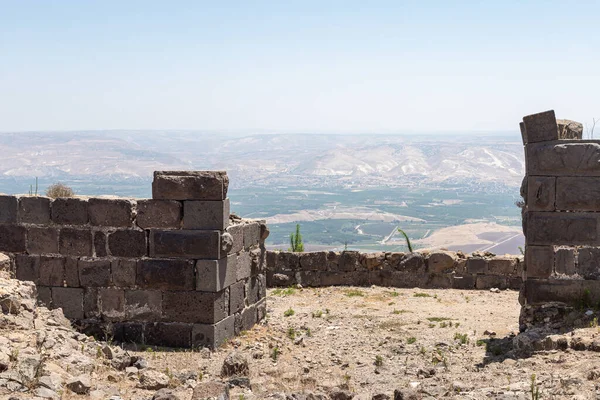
<point x="438" y="269"/>
<point x="158" y="271"/>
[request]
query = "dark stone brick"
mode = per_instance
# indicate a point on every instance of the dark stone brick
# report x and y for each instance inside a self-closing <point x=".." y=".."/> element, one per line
<point x="237" y="297"/>
<point x="166" y="274"/>
<point x="196" y="307"/>
<point x="541" y="127"/>
<point x="186" y="243"/>
<point x="502" y="265"/>
<point x="52" y="271"/>
<point x="168" y="334"/>
<point x="128" y="243"/>
<point x="110" y="212"/>
<point x="44" y="296"/>
<point x="100" y="248"/>
<point x="237" y="233"/>
<point x="491" y="281"/>
<point x="69" y="211"/>
<point x="42" y="240"/>
<point x="349" y="261"/>
<point x="251" y="234"/>
<point x="412" y="262"/>
<point x="91" y="306"/>
<point x="190" y="185"/>
<point x="588" y="262"/>
<point x="70" y="300"/>
<point x="476" y="265"/>
<point x="34" y="210"/>
<point x="159" y="214"/>
<point x="94" y="273"/>
<point x="463" y="282"/>
<point x="72" y="272"/>
<point x="216" y="275"/>
<point x="112" y="303"/>
<point x="253" y="290"/>
<point x="562" y="228"/>
<point x="213" y="335"/>
<point x="248" y="317"/>
<point x="124" y="272"/>
<point x="143" y="305"/>
<point x="132" y="333"/>
<point x="8" y="209"/>
<point x="27" y="268"/>
<point x="75" y="242"/>
<point x="539" y="261"/>
<point x="13" y="238"/>
<point x="209" y="215"/>
<point x="314" y="261"/>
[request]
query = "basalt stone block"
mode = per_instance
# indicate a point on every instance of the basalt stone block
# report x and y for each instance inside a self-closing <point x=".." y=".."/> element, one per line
<point x="251" y="234"/>
<point x="562" y="228"/>
<point x="112" y="303"/>
<point x="100" y="247"/>
<point x="253" y="290"/>
<point x="248" y="319"/>
<point x="70" y="300"/>
<point x="27" y="268"/>
<point x="261" y="310"/>
<point x="281" y="280"/>
<point x="568" y="291"/>
<point x="123" y="272"/>
<point x="128" y="243"/>
<point x="564" y="261"/>
<point x="13" y="238"/>
<point x="168" y="334"/>
<point x="515" y="282"/>
<point x="491" y="281"/>
<point x="541" y="192"/>
<point x="110" y="212"/>
<point x="568" y="129"/>
<point x="69" y="211"/>
<point x="588" y="260"/>
<point x="286" y="261"/>
<point x="91" y="308"/>
<point x="439" y="281"/>
<point x="75" y="242"/>
<point x="243" y="268"/>
<point x="463" y="282"/>
<point x="349" y="261"/>
<point x="216" y="275"/>
<point x="196" y="307"/>
<point x="42" y="240"/>
<point x="578" y="193"/>
<point x="159" y="214"/>
<point x="186" y="243"/>
<point x="441" y="261"/>
<point x="190" y="185"/>
<point x="44" y="296"/>
<point x="541" y="127"/>
<point x="237" y="234"/>
<point x="72" y="272"/>
<point x="210" y="215"/>
<point x="412" y="262"/>
<point x="94" y="272"/>
<point x="131" y="332"/>
<point x="304" y="278"/>
<point x="477" y="265"/>
<point x="539" y="261"/>
<point x="237" y="297"/>
<point x="523" y="132"/>
<point x="143" y="305"/>
<point x="213" y="335"/>
<point x="8" y="209"/>
<point x="34" y="210"/>
<point x="502" y="266"/>
<point x="166" y="274"/>
<point x="370" y="261"/>
<point x="52" y="271"/>
<point x="564" y="158"/>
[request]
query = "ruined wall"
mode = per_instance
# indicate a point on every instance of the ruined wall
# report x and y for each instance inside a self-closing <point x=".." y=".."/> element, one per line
<point x="174" y="270"/>
<point x="560" y="220"/>
<point x="440" y="269"/>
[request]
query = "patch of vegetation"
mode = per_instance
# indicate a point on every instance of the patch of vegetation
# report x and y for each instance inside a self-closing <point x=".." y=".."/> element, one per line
<point x="438" y="319"/>
<point x="354" y="293"/>
<point x="410" y="249"/>
<point x="291" y="333"/>
<point x="462" y="338"/>
<point x="57" y="190"/>
<point x="480" y="342"/>
<point x="275" y="353"/>
<point x="534" y="388"/>
<point x="317" y="314"/>
<point x="289" y="312"/>
<point x="283" y="292"/>
<point x="393" y="294"/>
<point x="296" y="244"/>
<point x="421" y="295"/>
<point x="411" y="340"/>
<point x="378" y="361"/>
<point x="400" y="312"/>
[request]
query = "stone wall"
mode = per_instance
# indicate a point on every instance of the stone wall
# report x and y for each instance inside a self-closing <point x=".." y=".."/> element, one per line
<point x="175" y="270"/>
<point x="560" y="220"/>
<point x="441" y="269"/>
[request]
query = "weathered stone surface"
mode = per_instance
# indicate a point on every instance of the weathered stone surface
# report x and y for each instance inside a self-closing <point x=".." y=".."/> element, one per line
<point x="369" y="261"/>
<point x="235" y="364"/>
<point x="196" y="307"/>
<point x="562" y="228"/>
<point x="186" y="243"/>
<point x="210" y="215"/>
<point x="159" y="214"/>
<point x="128" y="243"/>
<point x="539" y="261"/>
<point x="166" y="274"/>
<point x="412" y="262"/>
<point x="123" y="272"/>
<point x="69" y="211"/>
<point x="564" y="261"/>
<point x="541" y="127"/>
<point x="441" y="261"/>
<point x="213" y="335"/>
<point x="541" y="192"/>
<point x="8" y="209"/>
<point x="477" y="265"/>
<point x="215" y="275"/>
<point x="463" y="282"/>
<point x="79" y="385"/>
<point x="110" y="212"/>
<point x="588" y="261"/>
<point x="71" y="272"/>
<point x="251" y="234"/>
<point x="211" y="391"/>
<point x="568" y="129"/>
<point x="237" y="297"/>
<point x="42" y="240"/>
<point x="502" y="266"/>
<point x="253" y="290"/>
<point x="243" y="268"/>
<point x="70" y="300"/>
<point x="27" y="268"/>
<point x="100" y="244"/>
<point x="491" y="281"/>
<point x="143" y="305"/>
<point x="153" y="380"/>
<point x="111" y="302"/>
<point x="34" y="210"/>
<point x="568" y="291"/>
<point x="75" y="242"/>
<point x="168" y="334"/>
<point x="563" y="158"/>
<point x="94" y="272"/>
<point x="523" y="132"/>
<point x="237" y="234"/>
<point x="190" y="185"/>
<point x="13" y="238"/>
<point x="91" y="308"/>
<point x="52" y="271"/>
<point x="578" y="193"/>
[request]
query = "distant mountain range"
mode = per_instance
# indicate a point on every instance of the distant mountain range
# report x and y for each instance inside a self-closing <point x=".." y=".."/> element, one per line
<point x="274" y="159"/>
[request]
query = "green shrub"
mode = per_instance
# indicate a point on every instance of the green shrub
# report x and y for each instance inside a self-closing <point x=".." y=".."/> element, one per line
<point x="57" y="190"/>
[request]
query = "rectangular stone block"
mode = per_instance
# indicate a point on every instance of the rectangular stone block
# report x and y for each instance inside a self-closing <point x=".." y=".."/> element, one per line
<point x="348" y="261"/>
<point x="578" y="193"/>
<point x="476" y="265"/>
<point x="13" y="238"/>
<point x="91" y="308"/>
<point x="8" y="209"/>
<point x="564" y="261"/>
<point x="237" y="233"/>
<point x="44" y="296"/>
<point x="243" y="265"/>
<point x="166" y="274"/>
<point x="42" y="240"/>
<point x="190" y="185"/>
<point x="541" y="127"/>
<point x="70" y="300"/>
<point x="69" y="211"/>
<point x="123" y="272"/>
<point x="94" y="272"/>
<point x="251" y="234"/>
<point x="237" y="297"/>
<point x="27" y="268"/>
<point x="143" y="305"/>
<point x="570" y="291"/>
<point x="539" y="261"/>
<point x="110" y="212"/>
<point x="100" y="244"/>
<point x="261" y="310"/>
<point x="463" y="282"/>
<point x="128" y="243"/>
<point x="72" y="272"/>
<point x="588" y="262"/>
<point x="564" y="158"/>
<point x="502" y="266"/>
<point x="541" y="193"/>
<point x="34" y="210"/>
<point x="213" y="335"/>
<point x="196" y="307"/>
<point x="248" y="317"/>
<point x="491" y="281"/>
<point x="216" y="275"/>
<point x="52" y="271"/>
<point x="186" y="243"/>
<point x="111" y="302"/>
<point x="130" y="332"/>
<point x="168" y="334"/>
<point x="562" y="228"/>
<point x="159" y="214"/>
<point x="515" y="282"/>
<point x="210" y="215"/>
<point x="316" y="261"/>
<point x="75" y="242"/>
<point x="252" y="290"/>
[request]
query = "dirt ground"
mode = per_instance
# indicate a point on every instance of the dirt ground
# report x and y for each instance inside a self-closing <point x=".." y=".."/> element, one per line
<point x="441" y="343"/>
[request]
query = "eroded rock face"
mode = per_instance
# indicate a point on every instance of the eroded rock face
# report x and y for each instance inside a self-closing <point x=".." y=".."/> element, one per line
<point x="236" y="364"/>
<point x="568" y="129"/>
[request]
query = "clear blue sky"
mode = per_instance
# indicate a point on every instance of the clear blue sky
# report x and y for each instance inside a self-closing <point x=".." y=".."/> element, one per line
<point x="290" y="66"/>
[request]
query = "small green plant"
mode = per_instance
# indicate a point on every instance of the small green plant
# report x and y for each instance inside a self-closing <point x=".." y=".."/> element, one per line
<point x="57" y="190"/>
<point x="284" y="292"/>
<point x="289" y="312"/>
<point x="410" y="249"/>
<point x="438" y="319"/>
<point x="594" y="323"/>
<point x="411" y="340"/>
<point x="521" y="250"/>
<point x="422" y="350"/>
<point x="378" y="361"/>
<point x="297" y="246"/>
<point x="400" y="311"/>
<point x="317" y="314"/>
<point x="421" y="295"/>
<point x="14" y="355"/>
<point x="444" y="324"/>
<point x="291" y="333"/>
<point x="480" y="342"/>
<point x="534" y="388"/>
<point x="275" y="353"/>
<point x="462" y="338"/>
<point x="354" y="293"/>
<point x="393" y="294"/>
